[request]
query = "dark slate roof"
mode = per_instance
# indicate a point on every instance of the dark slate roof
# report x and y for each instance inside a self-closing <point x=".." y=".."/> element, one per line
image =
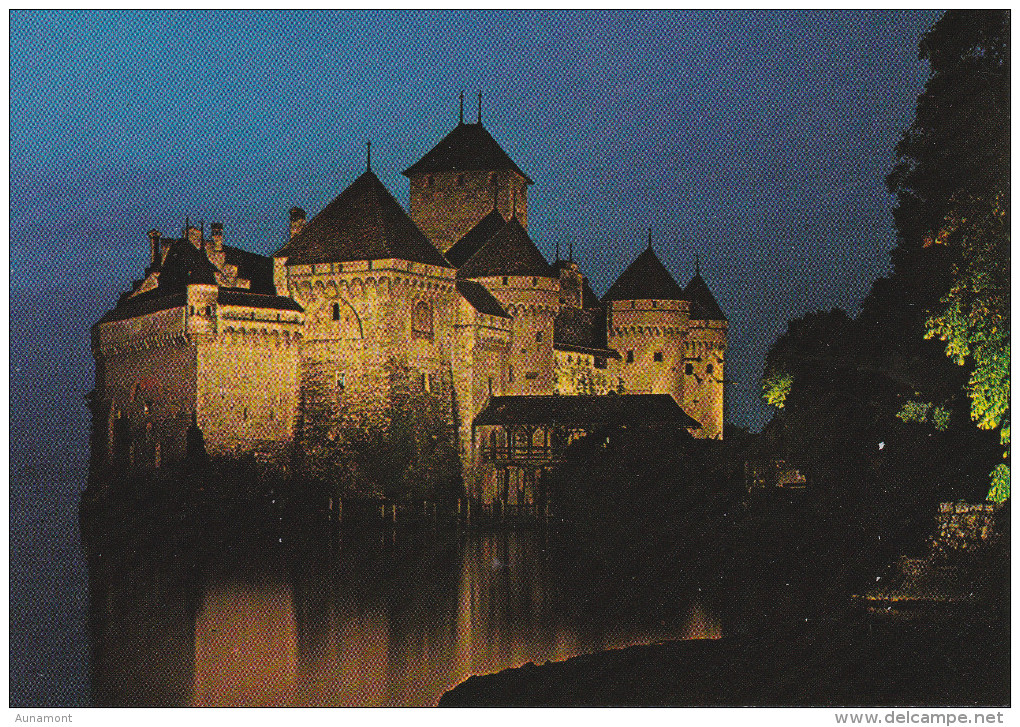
<point x="476" y="238"/>
<point x="509" y="252"/>
<point x="364" y="223"/>
<point x="703" y="304"/>
<point x="252" y="266"/>
<point x="184" y="265"/>
<point x="468" y="148"/>
<point x="645" y="279"/>
<point x="143" y="304"/>
<point x="245" y="297"/>
<point x="579" y="327"/>
<point x="481" y="299"/>
<point x="610" y="410"/>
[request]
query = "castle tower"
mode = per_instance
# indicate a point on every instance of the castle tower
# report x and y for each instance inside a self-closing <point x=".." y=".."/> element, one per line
<point x="647" y="321"/>
<point x="379" y="301"/>
<point x="461" y="180"/>
<point x="705" y="359"/>
<point x="513" y="269"/>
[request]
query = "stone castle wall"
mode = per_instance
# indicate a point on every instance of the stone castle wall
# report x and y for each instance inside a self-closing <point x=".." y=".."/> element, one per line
<point x="361" y="327"/>
<point x="649" y="336"/>
<point x="533" y="303"/>
<point x="704" y="387"/>
<point x="482" y="344"/>
<point x="247" y="394"/>
<point x="147" y="393"/>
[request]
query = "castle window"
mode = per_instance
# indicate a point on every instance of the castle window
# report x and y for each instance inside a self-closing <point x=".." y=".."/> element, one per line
<point x="336" y="311"/>
<point x="600" y="363"/>
<point x="709" y="369"/>
<point x="630" y="357"/>
<point x="145" y="408"/>
<point x="421" y="320"/>
<point x="341" y="381"/>
<point x="689" y="369"/>
<point x="244" y="414"/>
<point x="505" y="281"/>
<point x="429" y="180"/>
<point x="657" y="356"/>
<point x="510" y="372"/>
<point x="460" y="180"/>
<point x="534" y="281"/>
<point x="655" y="304"/>
<point x="538" y="336"/>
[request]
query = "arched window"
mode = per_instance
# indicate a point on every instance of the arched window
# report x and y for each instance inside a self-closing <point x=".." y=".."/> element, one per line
<point x="689" y="369"/>
<point x="336" y="311"/>
<point x="657" y="356"/>
<point x="538" y="336"/>
<point x="710" y="369"/>
<point x="421" y="320"/>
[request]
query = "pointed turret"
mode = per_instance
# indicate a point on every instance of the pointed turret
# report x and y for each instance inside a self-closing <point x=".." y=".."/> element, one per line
<point x="468" y="148"/>
<point x="703" y="304"/>
<point x="645" y="279"/>
<point x="460" y="181"/>
<point x="364" y="222"/>
<point x="510" y="252"/>
<point x="476" y="238"/>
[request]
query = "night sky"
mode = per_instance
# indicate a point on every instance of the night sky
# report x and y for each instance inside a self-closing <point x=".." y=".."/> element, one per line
<point x="759" y="140"/>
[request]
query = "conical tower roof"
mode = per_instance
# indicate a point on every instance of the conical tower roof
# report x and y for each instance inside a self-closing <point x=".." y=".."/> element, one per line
<point x="645" y="279"/>
<point x="468" y="148"/>
<point x="476" y="238"/>
<point x="509" y="252"/>
<point x="364" y="223"/>
<point x="703" y="304"/>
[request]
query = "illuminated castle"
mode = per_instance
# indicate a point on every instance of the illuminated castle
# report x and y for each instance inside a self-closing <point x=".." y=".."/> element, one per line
<point x="451" y="301"/>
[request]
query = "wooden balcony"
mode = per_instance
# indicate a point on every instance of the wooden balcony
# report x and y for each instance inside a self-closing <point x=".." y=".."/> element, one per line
<point x="517" y="454"/>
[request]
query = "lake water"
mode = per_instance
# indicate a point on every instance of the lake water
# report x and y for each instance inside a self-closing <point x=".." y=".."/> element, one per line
<point x="216" y="615"/>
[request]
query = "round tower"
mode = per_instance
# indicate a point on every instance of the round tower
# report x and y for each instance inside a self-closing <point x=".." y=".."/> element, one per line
<point x="513" y="269"/>
<point x="460" y="180"/>
<point x="705" y="359"/>
<point x="647" y="321"/>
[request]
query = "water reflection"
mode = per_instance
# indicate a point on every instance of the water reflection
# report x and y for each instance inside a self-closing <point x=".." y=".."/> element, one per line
<point x="215" y="615"/>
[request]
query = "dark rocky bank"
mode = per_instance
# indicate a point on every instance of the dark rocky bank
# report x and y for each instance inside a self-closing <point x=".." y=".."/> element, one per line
<point x="817" y="665"/>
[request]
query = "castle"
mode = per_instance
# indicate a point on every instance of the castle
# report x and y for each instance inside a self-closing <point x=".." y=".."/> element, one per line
<point x="449" y="301"/>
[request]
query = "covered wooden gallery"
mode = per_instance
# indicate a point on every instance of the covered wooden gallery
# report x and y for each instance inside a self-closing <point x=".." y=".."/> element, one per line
<point x="522" y="436"/>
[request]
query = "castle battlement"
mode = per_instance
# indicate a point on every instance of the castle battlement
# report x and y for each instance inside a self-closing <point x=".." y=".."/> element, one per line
<point x="369" y="315"/>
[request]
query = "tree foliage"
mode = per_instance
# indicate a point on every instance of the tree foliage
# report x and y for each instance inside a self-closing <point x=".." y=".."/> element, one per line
<point x="975" y="323"/>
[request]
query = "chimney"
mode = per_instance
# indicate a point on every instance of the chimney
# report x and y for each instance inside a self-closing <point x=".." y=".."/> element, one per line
<point x="154" y="247"/>
<point x="217" y="236"/>
<point x="297" y="221"/>
<point x="194" y="235"/>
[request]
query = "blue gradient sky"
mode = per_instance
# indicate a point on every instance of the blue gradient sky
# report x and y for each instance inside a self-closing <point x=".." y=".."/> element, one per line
<point x="761" y="140"/>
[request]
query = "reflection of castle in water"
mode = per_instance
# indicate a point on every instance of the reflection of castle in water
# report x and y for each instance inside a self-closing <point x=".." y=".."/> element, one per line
<point x="449" y="305"/>
<point x="197" y="615"/>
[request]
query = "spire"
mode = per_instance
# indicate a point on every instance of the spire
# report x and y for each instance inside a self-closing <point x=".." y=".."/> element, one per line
<point x="461" y="109"/>
<point x="368" y="155"/>
<point x="479" y="107"/>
